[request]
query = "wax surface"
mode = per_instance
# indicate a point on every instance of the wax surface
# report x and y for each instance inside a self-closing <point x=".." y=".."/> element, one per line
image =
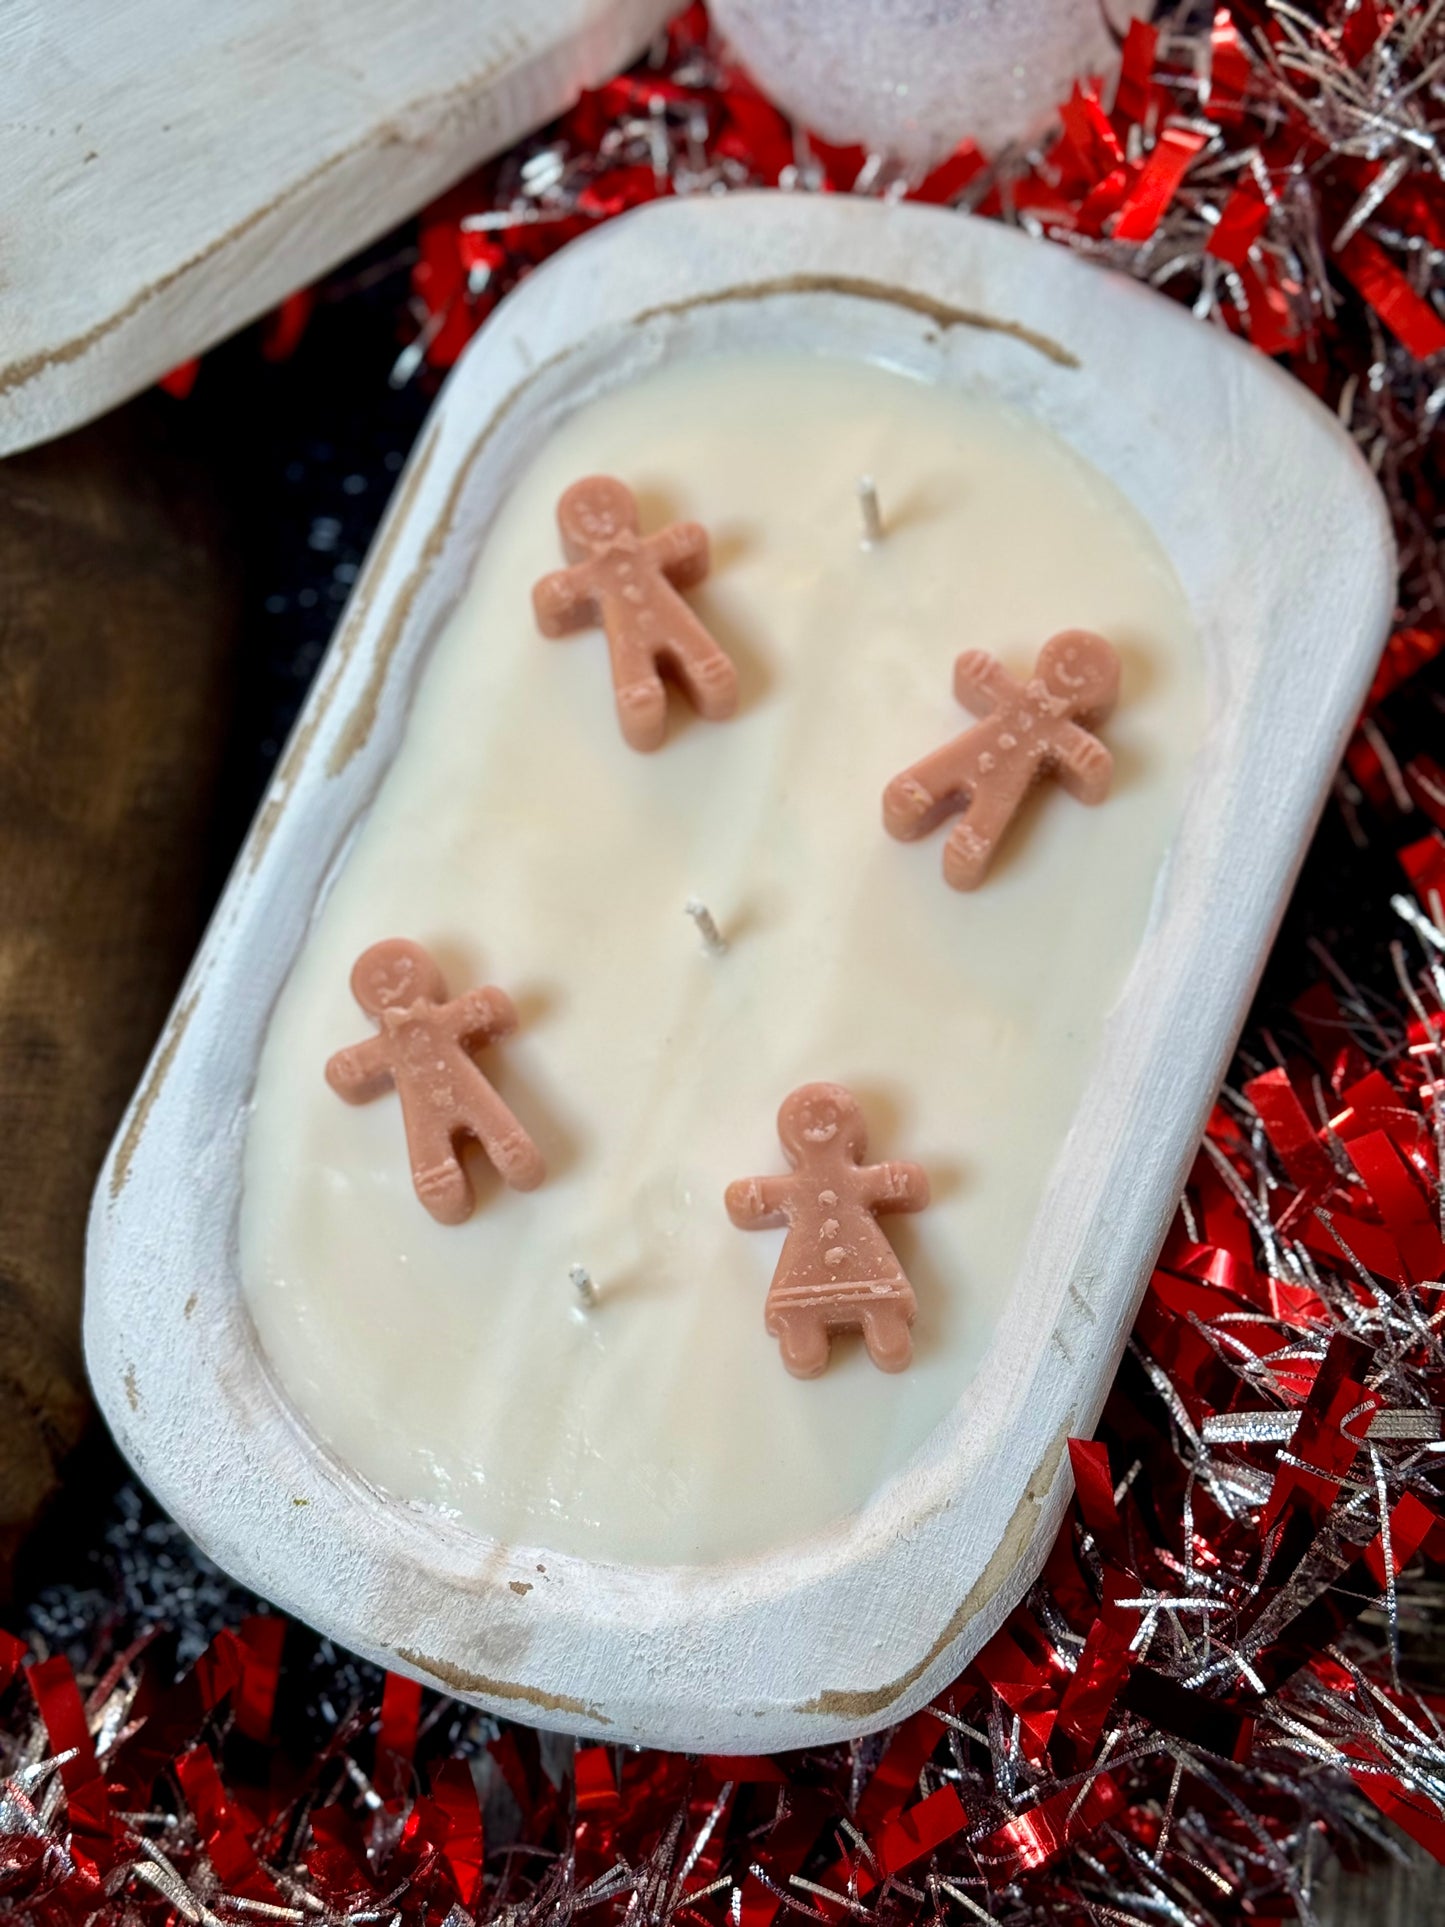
<point x="521" y="840"/>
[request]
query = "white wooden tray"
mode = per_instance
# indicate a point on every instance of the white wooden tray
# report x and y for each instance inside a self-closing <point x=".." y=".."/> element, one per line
<point x="169" y="171"/>
<point x="1281" y="542"/>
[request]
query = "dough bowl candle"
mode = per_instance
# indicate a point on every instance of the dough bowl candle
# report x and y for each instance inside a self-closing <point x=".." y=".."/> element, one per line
<point x="660" y="820"/>
<point x="521" y="837"/>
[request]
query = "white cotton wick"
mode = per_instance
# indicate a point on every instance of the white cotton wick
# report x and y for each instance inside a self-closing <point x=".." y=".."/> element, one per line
<point x="713" y="940"/>
<point x="872" y="513"/>
<point x="582" y="1284"/>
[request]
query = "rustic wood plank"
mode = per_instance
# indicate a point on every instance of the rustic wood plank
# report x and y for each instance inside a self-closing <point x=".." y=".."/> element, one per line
<point x="168" y="172"/>
<point x="116" y="623"/>
<point x="1405" y="1893"/>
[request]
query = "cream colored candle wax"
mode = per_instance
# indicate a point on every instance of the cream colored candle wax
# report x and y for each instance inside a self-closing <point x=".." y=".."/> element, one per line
<point x="525" y="844"/>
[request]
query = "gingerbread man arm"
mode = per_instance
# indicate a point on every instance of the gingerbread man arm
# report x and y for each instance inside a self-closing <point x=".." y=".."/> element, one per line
<point x="1082" y="764"/>
<point x="362" y="1072"/>
<point x="477" y="1016"/>
<point x="756" y="1203"/>
<point x="981" y="683"/>
<point x="680" y="552"/>
<point x="564" y="601"/>
<point x="897" y="1186"/>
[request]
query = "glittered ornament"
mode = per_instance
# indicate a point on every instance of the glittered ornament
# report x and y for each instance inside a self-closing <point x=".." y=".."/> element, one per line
<point x="910" y="79"/>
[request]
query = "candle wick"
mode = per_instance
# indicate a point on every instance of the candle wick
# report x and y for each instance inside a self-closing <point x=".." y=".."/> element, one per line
<point x="872" y="513"/>
<point x="713" y="940"/>
<point x="583" y="1285"/>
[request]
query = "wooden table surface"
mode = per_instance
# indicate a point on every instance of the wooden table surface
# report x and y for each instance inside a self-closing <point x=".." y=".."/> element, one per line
<point x="169" y="172"/>
<point x="117" y="620"/>
<point x="1410" y="1893"/>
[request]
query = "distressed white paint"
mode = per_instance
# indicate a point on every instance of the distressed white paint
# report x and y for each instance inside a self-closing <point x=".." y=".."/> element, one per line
<point x="168" y="171"/>
<point x="1282" y="545"/>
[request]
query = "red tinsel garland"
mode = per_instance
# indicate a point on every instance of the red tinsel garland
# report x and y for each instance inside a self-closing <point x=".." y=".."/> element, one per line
<point x="1208" y="1688"/>
<point x="1276" y="166"/>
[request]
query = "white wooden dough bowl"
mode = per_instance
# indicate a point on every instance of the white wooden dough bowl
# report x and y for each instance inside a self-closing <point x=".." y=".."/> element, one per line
<point x="1281" y="542"/>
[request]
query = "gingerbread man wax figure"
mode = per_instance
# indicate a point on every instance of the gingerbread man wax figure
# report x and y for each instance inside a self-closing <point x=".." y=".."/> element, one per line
<point x="629" y="584"/>
<point x="422" y="1051"/>
<point x="1038" y="728"/>
<point x="837" y="1271"/>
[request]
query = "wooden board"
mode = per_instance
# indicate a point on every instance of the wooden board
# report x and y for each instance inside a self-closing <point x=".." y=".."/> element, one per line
<point x="117" y="627"/>
<point x="1213" y="445"/>
<point x="1409" y="1892"/>
<point x="170" y="171"/>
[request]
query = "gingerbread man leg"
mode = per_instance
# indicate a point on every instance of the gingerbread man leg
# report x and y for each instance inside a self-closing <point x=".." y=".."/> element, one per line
<point x="889" y="1341"/>
<point x="516" y="1158"/>
<point x="974" y="838"/>
<point x="437" y="1172"/>
<point x="641" y="699"/>
<point x="803" y="1340"/>
<point x="700" y="666"/>
<point x="916" y="800"/>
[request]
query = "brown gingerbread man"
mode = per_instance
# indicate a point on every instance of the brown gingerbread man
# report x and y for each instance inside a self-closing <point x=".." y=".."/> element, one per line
<point x="629" y="584"/>
<point x="1038" y="728"/>
<point x="837" y="1271"/>
<point x="422" y="1052"/>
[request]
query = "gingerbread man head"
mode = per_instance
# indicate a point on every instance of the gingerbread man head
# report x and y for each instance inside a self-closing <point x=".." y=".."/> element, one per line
<point x="593" y="513"/>
<point x="394" y="975"/>
<point x="821" y="1118"/>
<point x="1080" y="669"/>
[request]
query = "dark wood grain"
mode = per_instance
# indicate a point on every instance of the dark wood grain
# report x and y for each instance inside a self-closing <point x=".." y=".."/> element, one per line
<point x="1407" y="1893"/>
<point x="117" y="618"/>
